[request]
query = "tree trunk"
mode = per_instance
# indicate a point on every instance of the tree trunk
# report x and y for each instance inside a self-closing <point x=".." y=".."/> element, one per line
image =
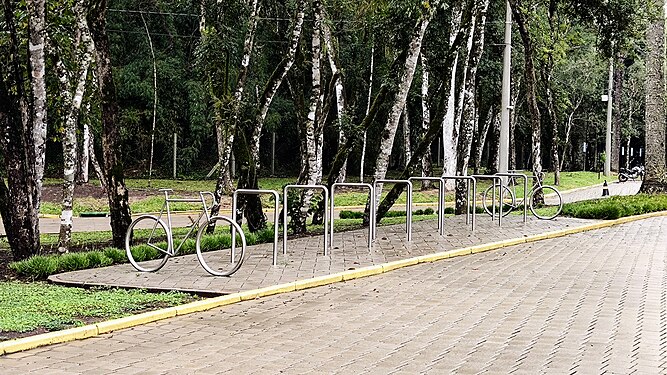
<point x="655" y="179"/>
<point x="36" y="43"/>
<point x="312" y="163"/>
<point x="398" y="104"/>
<point x="117" y="193"/>
<point x="450" y="130"/>
<point x="619" y="79"/>
<point x="426" y="120"/>
<point x="405" y="125"/>
<point x="568" y="131"/>
<point x="531" y="90"/>
<point x="229" y="110"/>
<point x="368" y="109"/>
<point x="247" y="151"/>
<point x="469" y="111"/>
<point x="73" y="100"/>
<point x="481" y="139"/>
<point x="150" y="44"/>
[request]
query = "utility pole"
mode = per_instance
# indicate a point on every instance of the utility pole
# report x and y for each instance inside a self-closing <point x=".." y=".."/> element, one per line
<point x="504" y="144"/>
<point x="610" y="107"/>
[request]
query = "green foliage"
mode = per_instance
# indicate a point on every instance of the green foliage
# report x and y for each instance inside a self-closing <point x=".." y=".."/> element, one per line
<point x="616" y="207"/>
<point x="29" y="306"/>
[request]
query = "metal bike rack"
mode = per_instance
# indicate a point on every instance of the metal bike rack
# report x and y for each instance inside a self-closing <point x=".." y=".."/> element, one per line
<point x="525" y="190"/>
<point x="408" y="204"/>
<point x="499" y="179"/>
<point x="372" y="204"/>
<point x="441" y="199"/>
<point x="471" y="211"/>
<point x="276" y="197"/>
<point x="326" y="214"/>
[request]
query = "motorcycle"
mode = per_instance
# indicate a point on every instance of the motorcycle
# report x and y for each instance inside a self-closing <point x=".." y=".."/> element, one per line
<point x="633" y="173"/>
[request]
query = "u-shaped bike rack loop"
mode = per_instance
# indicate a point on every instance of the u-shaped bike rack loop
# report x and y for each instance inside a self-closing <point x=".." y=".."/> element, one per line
<point x="471" y="211"/>
<point x="525" y="190"/>
<point x="495" y="178"/>
<point x="372" y="208"/>
<point x="326" y="214"/>
<point x="276" y="214"/>
<point x="441" y="199"/>
<point x="408" y="204"/>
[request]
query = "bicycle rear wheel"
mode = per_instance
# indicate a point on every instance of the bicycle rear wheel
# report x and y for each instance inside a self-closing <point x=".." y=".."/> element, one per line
<point x="552" y="198"/>
<point x="214" y="251"/>
<point x="151" y="244"/>
<point x="487" y="200"/>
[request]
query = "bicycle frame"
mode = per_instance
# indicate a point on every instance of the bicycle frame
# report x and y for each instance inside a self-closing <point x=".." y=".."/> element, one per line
<point x="165" y="207"/>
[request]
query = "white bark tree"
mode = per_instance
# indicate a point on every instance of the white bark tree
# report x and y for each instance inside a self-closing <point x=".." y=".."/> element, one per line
<point x="398" y="104"/>
<point x="368" y="109"/>
<point x="73" y="87"/>
<point x="426" y="121"/>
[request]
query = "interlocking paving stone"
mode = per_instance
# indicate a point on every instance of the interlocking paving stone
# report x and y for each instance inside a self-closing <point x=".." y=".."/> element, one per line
<point x="586" y="304"/>
<point x="305" y="257"/>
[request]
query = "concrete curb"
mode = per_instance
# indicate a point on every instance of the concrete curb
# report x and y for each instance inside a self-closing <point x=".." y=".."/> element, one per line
<point x="79" y="333"/>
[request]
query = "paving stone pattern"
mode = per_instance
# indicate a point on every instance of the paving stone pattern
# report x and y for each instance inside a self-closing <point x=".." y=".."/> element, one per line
<point x="591" y="303"/>
<point x="305" y="257"/>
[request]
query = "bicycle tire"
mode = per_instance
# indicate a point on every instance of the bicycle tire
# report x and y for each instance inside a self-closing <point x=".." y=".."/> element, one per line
<point x="507" y="208"/>
<point x="137" y="251"/>
<point x="211" y="254"/>
<point x="545" y="191"/>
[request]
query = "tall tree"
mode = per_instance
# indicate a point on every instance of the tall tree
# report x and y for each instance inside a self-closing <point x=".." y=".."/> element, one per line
<point x="19" y="199"/>
<point x="656" y="170"/>
<point x="113" y="170"/>
<point x="73" y="87"/>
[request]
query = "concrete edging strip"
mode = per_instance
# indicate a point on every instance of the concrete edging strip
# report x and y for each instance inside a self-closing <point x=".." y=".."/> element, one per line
<point x="79" y="333"/>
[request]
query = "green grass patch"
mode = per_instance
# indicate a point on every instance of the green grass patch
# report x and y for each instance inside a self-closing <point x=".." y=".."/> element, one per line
<point x="616" y="207"/>
<point x="29" y="306"/>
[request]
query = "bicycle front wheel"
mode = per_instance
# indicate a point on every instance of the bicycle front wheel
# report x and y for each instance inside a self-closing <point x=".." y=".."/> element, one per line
<point x="147" y="243"/>
<point x="215" y="252"/>
<point x="487" y="200"/>
<point x="552" y="200"/>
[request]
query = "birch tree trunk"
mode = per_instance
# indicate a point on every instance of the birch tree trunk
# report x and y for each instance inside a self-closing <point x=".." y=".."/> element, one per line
<point x="37" y="27"/>
<point x="225" y="124"/>
<point x="481" y="139"/>
<point x="73" y="100"/>
<point x="469" y="112"/>
<point x="568" y="131"/>
<point x="531" y="91"/>
<point x="150" y="44"/>
<point x="117" y="193"/>
<point x="250" y="206"/>
<point x="426" y="120"/>
<point x="368" y="109"/>
<point x="655" y="179"/>
<point x="312" y="163"/>
<point x="387" y="139"/>
<point x="339" y="90"/>
<point x="617" y="97"/>
<point x="450" y="131"/>
<point x="406" y="136"/>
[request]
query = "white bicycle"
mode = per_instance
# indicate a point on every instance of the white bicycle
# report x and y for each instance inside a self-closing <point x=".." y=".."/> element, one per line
<point x="511" y="202"/>
<point x="151" y="246"/>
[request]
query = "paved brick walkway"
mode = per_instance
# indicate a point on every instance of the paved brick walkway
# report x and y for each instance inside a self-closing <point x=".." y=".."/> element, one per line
<point x="590" y="303"/>
<point x="305" y="257"/>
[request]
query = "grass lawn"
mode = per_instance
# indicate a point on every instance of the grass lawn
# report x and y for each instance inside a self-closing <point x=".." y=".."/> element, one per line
<point x="36" y="307"/>
<point x="569" y="180"/>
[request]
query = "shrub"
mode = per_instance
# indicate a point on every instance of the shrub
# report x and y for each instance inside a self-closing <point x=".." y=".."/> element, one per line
<point x="616" y="207"/>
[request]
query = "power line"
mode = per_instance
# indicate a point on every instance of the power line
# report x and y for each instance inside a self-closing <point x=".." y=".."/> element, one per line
<point x="152" y="12"/>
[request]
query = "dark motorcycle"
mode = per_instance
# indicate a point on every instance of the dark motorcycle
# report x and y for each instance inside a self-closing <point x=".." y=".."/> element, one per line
<point x="633" y="173"/>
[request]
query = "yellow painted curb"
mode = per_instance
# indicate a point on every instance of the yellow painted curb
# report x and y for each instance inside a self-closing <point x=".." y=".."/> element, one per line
<point x="387" y="267"/>
<point x="135" y="320"/>
<point x="207" y="304"/>
<point x="361" y="272"/>
<point x="17" y="345"/>
<point x="318" y="281"/>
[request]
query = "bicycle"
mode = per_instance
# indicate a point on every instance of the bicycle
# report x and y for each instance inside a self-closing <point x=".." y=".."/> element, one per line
<point x="546" y="191"/>
<point x="150" y="253"/>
